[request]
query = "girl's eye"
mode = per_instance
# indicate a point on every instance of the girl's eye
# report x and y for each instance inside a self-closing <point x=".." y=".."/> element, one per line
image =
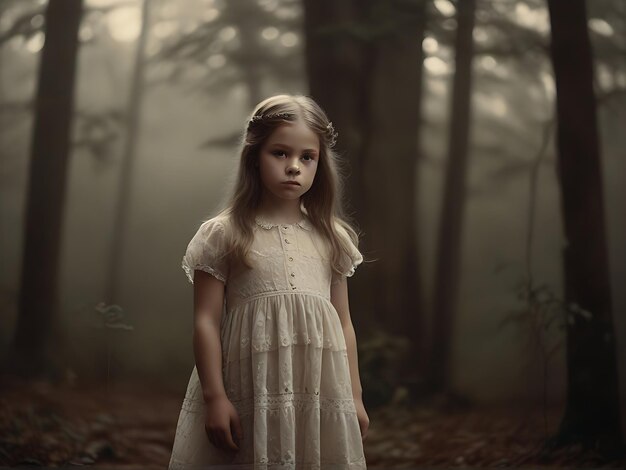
<point x="279" y="153"/>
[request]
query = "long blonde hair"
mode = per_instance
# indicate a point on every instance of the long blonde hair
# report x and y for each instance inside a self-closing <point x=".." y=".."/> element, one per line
<point x="322" y="203"/>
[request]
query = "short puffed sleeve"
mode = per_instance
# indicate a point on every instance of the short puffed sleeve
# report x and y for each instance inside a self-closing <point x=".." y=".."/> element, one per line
<point x="207" y="251"/>
<point x="349" y="259"/>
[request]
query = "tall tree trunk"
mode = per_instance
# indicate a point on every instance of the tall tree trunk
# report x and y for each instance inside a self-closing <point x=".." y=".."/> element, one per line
<point x="390" y="159"/>
<point x="447" y="275"/>
<point x="592" y="413"/>
<point x="35" y="348"/>
<point x="116" y="258"/>
<point x="373" y="52"/>
<point x="333" y="50"/>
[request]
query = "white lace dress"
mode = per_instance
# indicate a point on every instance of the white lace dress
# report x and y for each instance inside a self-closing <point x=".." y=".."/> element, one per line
<point x="285" y="363"/>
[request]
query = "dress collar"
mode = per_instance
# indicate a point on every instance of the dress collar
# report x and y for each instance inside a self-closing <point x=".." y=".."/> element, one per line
<point x="304" y="222"/>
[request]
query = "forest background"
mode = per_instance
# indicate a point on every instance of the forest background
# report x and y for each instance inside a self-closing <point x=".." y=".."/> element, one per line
<point x="483" y="139"/>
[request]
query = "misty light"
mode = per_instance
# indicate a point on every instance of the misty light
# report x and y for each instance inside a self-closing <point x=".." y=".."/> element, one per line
<point x="268" y="5"/>
<point x="85" y="33"/>
<point x="35" y="43"/>
<point x="102" y="3"/>
<point x="605" y="76"/>
<point x="491" y="102"/>
<point x="286" y="13"/>
<point x="210" y="14"/>
<point x="164" y="29"/>
<point x="436" y="66"/>
<point x="498" y="106"/>
<point x="270" y="33"/>
<point x="533" y="18"/>
<point x="437" y="87"/>
<point x="601" y="27"/>
<point x="169" y="9"/>
<point x="228" y="33"/>
<point x="124" y="23"/>
<point x="548" y="84"/>
<point x="289" y="39"/>
<point x="479" y="34"/>
<point x="445" y="7"/>
<point x="488" y="62"/>
<point x="37" y="21"/>
<point x="430" y="45"/>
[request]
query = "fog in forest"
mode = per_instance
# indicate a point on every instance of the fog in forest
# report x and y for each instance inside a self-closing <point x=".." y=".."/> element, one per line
<point x="203" y="67"/>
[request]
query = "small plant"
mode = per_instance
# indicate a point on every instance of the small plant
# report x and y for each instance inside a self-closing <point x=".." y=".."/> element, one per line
<point x="543" y="310"/>
<point x="379" y="357"/>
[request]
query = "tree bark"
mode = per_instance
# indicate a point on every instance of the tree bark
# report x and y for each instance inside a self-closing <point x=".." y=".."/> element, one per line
<point x="33" y="351"/>
<point x="332" y="50"/>
<point x="447" y="275"/>
<point x="364" y="63"/>
<point x="390" y="169"/>
<point x="592" y="413"/>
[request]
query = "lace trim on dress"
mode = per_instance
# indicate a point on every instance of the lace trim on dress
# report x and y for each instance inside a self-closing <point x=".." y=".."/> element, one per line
<point x="350" y="273"/>
<point x="202" y="267"/>
<point x="271" y="403"/>
<point x="352" y="270"/>
<point x="303" y="222"/>
<point x="268" y="345"/>
<point x="300" y="401"/>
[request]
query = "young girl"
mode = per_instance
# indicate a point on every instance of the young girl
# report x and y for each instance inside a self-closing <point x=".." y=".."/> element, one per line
<point x="276" y="382"/>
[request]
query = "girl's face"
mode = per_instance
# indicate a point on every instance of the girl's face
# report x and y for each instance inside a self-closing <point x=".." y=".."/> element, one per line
<point x="291" y="153"/>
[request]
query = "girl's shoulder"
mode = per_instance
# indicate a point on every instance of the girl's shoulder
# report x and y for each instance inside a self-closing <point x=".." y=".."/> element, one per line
<point x="213" y="231"/>
<point x="220" y="220"/>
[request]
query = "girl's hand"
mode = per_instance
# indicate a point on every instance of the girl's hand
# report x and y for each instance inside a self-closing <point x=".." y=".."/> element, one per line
<point x="361" y="414"/>
<point x="222" y="423"/>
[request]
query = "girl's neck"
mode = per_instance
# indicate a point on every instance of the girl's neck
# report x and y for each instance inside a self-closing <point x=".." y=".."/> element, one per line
<point x="282" y="214"/>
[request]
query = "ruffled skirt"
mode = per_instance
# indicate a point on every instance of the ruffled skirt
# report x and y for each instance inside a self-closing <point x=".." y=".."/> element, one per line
<point x="286" y="371"/>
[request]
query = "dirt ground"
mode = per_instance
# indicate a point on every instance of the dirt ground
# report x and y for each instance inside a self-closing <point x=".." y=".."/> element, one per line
<point x="133" y="424"/>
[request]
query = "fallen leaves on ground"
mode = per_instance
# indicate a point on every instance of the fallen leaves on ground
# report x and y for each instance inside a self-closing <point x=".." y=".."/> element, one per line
<point x="133" y="424"/>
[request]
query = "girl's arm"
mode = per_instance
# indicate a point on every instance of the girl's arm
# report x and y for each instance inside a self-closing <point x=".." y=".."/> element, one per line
<point x="208" y="297"/>
<point x="339" y="299"/>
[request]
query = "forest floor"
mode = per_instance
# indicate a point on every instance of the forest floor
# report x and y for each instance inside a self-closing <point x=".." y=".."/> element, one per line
<point x="133" y="426"/>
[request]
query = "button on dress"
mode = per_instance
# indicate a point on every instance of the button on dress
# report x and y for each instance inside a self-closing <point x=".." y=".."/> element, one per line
<point x="284" y="357"/>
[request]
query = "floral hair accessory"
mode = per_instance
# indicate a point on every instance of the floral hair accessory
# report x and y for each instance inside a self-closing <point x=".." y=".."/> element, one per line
<point x="332" y="134"/>
<point x="267" y="117"/>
